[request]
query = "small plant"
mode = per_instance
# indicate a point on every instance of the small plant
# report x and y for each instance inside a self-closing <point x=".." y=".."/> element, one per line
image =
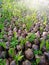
<point x="14" y="42"/>
<point x="42" y="44"/>
<point x="41" y="29"/>
<point x="44" y="19"/>
<point x="31" y="37"/>
<point x="37" y="60"/>
<point x="23" y="41"/>
<point x="3" y="44"/>
<point x="36" y="52"/>
<point x="28" y="25"/>
<point x="15" y="34"/>
<point x="18" y="57"/>
<point x="47" y="45"/>
<point x="1" y="33"/>
<point x="1" y="29"/>
<point x="34" y="63"/>
<point x="11" y="52"/>
<point x="34" y="16"/>
<point x="1" y="25"/>
<point x="48" y="36"/>
<point x="28" y="21"/>
<point x="6" y="10"/>
<point x="2" y="62"/>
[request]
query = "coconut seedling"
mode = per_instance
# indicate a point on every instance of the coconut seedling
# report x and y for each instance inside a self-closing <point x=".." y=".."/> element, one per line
<point x="31" y="37"/>
<point x="1" y="29"/>
<point x="48" y="36"/>
<point x="11" y="52"/>
<point x="42" y="44"/>
<point x="34" y="63"/>
<point x="2" y="62"/>
<point x="28" y="21"/>
<point x="34" y="16"/>
<point x="47" y="45"/>
<point x="37" y="52"/>
<point x="23" y="41"/>
<point x="6" y="10"/>
<point x="37" y="60"/>
<point x="14" y="42"/>
<point x="18" y="57"/>
<point x="44" y="19"/>
<point x="3" y="44"/>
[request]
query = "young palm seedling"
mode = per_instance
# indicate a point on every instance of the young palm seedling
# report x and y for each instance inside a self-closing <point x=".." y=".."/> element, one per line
<point x="3" y="44"/>
<point x="37" y="52"/>
<point x="14" y="42"/>
<point x="31" y="37"/>
<point x="42" y="44"/>
<point x="23" y="41"/>
<point x="1" y="29"/>
<point x="2" y="62"/>
<point x="11" y="52"/>
<point x="18" y="57"/>
<point x="47" y="45"/>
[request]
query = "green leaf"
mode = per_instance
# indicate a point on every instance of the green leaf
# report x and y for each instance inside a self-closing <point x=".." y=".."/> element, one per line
<point x="48" y="36"/>
<point x="2" y="62"/>
<point x="11" y="52"/>
<point x="31" y="37"/>
<point x="14" y="42"/>
<point x="22" y="41"/>
<point x="42" y="44"/>
<point x="36" y="52"/>
<point x="1" y="25"/>
<point x="47" y="45"/>
<point x="37" y="60"/>
<point x="34" y="63"/>
<point x="3" y="44"/>
<point x="18" y="57"/>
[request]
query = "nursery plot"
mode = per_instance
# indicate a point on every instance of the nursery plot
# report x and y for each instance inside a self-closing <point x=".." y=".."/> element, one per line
<point x="24" y="32"/>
